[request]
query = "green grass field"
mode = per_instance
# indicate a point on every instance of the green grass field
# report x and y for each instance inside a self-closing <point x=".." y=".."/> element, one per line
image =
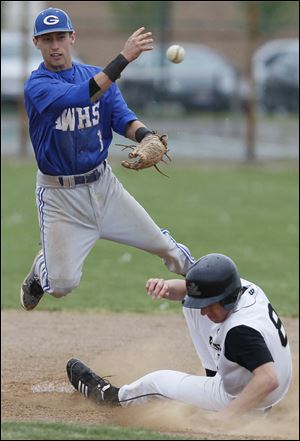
<point x="249" y="213"/>
<point x="60" y="431"/>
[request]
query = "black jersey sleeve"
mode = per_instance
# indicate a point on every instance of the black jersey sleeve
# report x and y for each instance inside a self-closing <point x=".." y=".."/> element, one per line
<point x="247" y="347"/>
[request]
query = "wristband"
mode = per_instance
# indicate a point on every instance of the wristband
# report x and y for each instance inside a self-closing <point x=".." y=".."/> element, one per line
<point x="114" y="68"/>
<point x="141" y="133"/>
<point x="94" y="88"/>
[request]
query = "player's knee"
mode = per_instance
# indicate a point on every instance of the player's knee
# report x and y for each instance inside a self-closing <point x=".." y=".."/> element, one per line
<point x="60" y="288"/>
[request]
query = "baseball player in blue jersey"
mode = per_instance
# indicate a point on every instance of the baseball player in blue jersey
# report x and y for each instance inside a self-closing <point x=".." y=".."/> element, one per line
<point x="238" y="337"/>
<point x="73" y="109"/>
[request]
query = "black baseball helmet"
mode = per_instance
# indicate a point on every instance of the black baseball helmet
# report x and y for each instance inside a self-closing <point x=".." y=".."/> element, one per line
<point x="213" y="278"/>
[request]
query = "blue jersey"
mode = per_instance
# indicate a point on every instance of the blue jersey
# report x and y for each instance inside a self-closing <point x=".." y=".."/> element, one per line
<point x="70" y="135"/>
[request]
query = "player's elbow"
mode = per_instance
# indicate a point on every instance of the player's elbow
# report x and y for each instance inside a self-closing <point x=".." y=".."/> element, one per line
<point x="270" y="383"/>
<point x="268" y="379"/>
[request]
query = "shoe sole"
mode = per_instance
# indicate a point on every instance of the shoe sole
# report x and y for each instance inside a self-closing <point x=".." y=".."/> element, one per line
<point x="21" y="289"/>
<point x="70" y="365"/>
<point x="81" y="387"/>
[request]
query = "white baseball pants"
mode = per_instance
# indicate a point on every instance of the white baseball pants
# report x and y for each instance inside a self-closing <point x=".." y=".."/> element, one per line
<point x="205" y="392"/>
<point x="73" y="219"/>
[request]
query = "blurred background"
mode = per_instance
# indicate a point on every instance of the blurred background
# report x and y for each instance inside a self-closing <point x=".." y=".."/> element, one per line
<point x="235" y="97"/>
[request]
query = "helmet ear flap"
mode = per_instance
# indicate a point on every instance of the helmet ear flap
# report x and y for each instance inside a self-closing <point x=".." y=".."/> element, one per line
<point x="229" y="302"/>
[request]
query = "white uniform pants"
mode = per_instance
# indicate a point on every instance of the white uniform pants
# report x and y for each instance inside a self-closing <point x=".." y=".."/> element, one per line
<point x="205" y="392"/>
<point x="73" y="219"/>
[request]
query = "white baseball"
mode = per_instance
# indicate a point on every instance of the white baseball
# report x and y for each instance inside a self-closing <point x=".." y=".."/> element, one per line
<point x="175" y="53"/>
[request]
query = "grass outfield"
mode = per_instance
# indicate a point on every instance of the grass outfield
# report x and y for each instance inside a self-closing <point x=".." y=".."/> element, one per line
<point x="60" y="431"/>
<point x="249" y="213"/>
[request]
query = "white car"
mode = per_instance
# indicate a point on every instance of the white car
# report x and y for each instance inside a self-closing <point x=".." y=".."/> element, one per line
<point x="205" y="80"/>
<point x="266" y="55"/>
<point x="14" y="70"/>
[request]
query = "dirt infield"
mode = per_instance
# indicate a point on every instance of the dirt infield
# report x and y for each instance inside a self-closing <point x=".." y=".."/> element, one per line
<point x="37" y="345"/>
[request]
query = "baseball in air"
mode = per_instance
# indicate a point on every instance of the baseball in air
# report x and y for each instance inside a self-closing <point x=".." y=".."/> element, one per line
<point x="175" y="53"/>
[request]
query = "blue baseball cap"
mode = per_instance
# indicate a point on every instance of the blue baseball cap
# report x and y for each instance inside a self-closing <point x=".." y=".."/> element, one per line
<point x="52" y="20"/>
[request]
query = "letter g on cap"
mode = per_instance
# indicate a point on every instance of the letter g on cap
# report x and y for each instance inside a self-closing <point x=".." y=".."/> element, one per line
<point x="51" y="20"/>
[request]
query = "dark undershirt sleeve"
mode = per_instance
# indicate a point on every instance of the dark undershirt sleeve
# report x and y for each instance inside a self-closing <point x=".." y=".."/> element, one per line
<point x="247" y="347"/>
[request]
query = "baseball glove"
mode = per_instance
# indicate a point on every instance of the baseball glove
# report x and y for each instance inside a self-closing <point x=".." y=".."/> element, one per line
<point x="148" y="153"/>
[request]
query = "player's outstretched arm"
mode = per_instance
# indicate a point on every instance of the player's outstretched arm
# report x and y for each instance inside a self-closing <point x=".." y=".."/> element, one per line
<point x="137" y="43"/>
<point x="173" y="289"/>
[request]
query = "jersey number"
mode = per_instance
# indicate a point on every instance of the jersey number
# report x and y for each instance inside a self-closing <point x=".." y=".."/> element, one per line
<point x="100" y="140"/>
<point x="278" y="325"/>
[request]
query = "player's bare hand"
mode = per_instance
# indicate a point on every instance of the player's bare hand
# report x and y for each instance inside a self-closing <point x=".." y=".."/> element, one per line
<point x="157" y="288"/>
<point x="137" y="43"/>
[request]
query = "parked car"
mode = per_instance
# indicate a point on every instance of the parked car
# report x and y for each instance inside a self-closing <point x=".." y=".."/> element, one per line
<point x="281" y="86"/>
<point x="266" y="62"/>
<point x="13" y="71"/>
<point x="204" y="80"/>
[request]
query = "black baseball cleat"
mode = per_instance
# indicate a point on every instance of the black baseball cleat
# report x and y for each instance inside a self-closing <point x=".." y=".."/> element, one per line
<point x="31" y="291"/>
<point x="91" y="385"/>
